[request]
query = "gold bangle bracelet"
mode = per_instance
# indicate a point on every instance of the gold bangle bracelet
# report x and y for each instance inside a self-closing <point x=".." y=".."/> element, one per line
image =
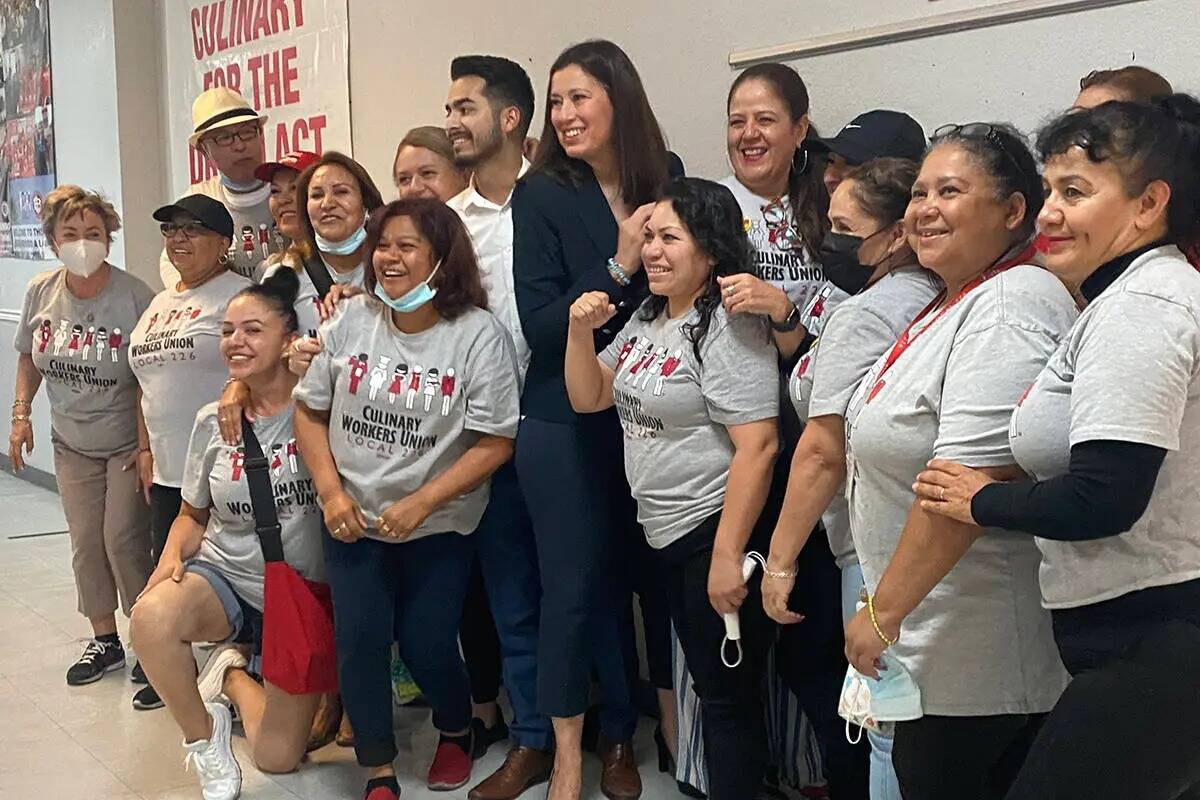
<point x="875" y="622"/>
<point x="780" y="574"/>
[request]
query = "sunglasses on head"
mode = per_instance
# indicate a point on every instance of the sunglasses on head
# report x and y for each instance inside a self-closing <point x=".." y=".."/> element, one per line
<point x="977" y="130"/>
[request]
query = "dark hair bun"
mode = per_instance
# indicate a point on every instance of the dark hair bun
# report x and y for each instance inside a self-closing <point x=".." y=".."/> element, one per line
<point x="1183" y="107"/>
<point x="283" y="283"/>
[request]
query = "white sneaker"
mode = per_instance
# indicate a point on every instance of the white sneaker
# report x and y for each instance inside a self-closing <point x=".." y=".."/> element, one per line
<point x="218" y="769"/>
<point x="212" y="677"/>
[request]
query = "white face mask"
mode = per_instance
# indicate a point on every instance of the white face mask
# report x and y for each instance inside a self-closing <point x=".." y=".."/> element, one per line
<point x="83" y="257"/>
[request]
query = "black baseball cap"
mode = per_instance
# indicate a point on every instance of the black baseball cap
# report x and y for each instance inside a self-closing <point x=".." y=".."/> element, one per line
<point x="877" y="134"/>
<point x="209" y="212"/>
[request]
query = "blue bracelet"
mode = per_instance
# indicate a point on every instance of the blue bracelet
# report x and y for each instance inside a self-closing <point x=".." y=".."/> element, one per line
<point x="618" y="274"/>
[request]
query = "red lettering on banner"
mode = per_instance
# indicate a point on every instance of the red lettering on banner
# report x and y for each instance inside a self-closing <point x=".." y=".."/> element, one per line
<point x="222" y="40"/>
<point x="200" y="167"/>
<point x="243" y="14"/>
<point x="305" y="134"/>
<point x="278" y="10"/>
<point x="299" y="13"/>
<point x="229" y="75"/>
<point x="315" y="126"/>
<point x="210" y="46"/>
<point x="261" y="22"/>
<point x="290" y="93"/>
<point x="197" y="44"/>
<point x="273" y="77"/>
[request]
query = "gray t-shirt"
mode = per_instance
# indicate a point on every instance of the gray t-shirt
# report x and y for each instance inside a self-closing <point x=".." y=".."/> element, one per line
<point x="853" y="338"/>
<point x="175" y="354"/>
<point x="81" y="348"/>
<point x="1128" y="371"/>
<point x="404" y="407"/>
<point x="254" y="234"/>
<point x="980" y="643"/>
<point x="307" y="300"/>
<point x="675" y="410"/>
<point x="214" y="477"/>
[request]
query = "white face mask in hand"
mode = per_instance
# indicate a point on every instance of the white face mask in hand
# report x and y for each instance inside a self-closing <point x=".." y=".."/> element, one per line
<point x="867" y="702"/>
<point x="83" y="257"/>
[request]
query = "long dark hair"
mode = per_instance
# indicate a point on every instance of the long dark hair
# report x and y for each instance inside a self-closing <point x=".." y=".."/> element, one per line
<point x="637" y="139"/>
<point x="806" y="189"/>
<point x="712" y="216"/>
<point x="1147" y="142"/>
<point x="457" y="282"/>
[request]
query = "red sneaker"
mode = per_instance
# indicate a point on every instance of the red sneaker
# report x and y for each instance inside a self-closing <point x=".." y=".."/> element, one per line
<point x="451" y="767"/>
<point x="382" y="789"/>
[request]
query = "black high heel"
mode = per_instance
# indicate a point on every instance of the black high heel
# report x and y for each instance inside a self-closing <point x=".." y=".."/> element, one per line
<point x="666" y="764"/>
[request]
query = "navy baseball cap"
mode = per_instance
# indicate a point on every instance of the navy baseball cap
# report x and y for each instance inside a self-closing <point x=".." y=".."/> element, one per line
<point x="209" y="212"/>
<point x="876" y="134"/>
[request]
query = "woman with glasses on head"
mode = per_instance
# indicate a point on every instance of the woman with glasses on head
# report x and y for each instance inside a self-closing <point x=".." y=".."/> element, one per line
<point x="175" y="355"/>
<point x="1109" y="435"/>
<point x="73" y="335"/>
<point x="956" y="607"/>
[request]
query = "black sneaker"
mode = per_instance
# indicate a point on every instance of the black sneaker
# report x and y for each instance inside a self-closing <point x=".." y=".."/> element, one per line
<point x="146" y="699"/>
<point x="138" y="675"/>
<point x="485" y="737"/>
<point x="98" y="658"/>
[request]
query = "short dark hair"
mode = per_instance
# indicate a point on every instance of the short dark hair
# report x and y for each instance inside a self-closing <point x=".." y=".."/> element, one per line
<point x="637" y="139"/>
<point x="371" y="197"/>
<point x="278" y="291"/>
<point x="1004" y="156"/>
<point x="505" y="83"/>
<point x="458" y="284"/>
<point x="1147" y="142"/>
<point x="714" y="219"/>
<point x="883" y="187"/>
<point x="1137" y="83"/>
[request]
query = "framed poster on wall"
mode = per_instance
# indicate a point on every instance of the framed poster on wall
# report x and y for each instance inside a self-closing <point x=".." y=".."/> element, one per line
<point x="27" y="116"/>
<point x="288" y="58"/>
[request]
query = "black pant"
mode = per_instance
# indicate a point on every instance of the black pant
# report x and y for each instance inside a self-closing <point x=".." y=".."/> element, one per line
<point x="1125" y="727"/>
<point x="811" y="657"/>
<point x="164" y="508"/>
<point x="573" y="480"/>
<point x="956" y="758"/>
<point x="480" y="643"/>
<point x="735" y="735"/>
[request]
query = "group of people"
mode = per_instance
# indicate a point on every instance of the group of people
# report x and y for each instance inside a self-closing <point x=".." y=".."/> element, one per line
<point x="945" y="390"/>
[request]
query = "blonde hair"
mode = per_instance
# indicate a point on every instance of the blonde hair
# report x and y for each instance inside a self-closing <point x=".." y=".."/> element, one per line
<point x="428" y="137"/>
<point x="68" y="200"/>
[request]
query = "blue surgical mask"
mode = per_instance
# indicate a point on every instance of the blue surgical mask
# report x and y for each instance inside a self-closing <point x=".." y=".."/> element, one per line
<point x="346" y="246"/>
<point x="872" y="702"/>
<point x="414" y="298"/>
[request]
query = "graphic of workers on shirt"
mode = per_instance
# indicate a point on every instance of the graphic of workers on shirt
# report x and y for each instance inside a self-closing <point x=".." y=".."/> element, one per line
<point x="114" y="343"/>
<point x="358" y="370"/>
<point x="44" y="335"/>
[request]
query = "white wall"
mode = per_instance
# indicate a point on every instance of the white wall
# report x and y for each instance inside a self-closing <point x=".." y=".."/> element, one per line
<point x="105" y="133"/>
<point x="399" y="62"/>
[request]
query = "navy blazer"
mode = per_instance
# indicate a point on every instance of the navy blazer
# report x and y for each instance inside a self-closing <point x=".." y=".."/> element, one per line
<point x="563" y="237"/>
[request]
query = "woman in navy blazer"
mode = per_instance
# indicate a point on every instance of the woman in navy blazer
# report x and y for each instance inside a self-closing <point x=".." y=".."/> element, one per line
<point x="578" y="220"/>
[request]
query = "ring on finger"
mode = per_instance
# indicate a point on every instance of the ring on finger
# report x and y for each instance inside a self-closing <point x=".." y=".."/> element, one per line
<point x="941" y="493"/>
<point x="730" y="290"/>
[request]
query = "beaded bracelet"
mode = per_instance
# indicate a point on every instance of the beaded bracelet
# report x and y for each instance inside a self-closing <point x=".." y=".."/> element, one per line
<point x="780" y="574"/>
<point x="875" y="622"/>
<point x="618" y="273"/>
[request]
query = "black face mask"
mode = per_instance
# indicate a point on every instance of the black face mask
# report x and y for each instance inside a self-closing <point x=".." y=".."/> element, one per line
<point x="838" y="254"/>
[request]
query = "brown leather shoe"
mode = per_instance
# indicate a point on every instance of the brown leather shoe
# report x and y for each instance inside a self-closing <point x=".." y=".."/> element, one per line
<point x="522" y="768"/>
<point x="619" y="779"/>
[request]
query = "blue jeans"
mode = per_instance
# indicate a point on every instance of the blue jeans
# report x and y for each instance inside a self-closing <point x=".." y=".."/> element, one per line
<point x="410" y="593"/>
<point x="884" y="785"/>
<point x="508" y="559"/>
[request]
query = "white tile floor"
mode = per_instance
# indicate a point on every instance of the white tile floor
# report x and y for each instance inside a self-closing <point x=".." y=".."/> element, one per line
<point x="58" y="741"/>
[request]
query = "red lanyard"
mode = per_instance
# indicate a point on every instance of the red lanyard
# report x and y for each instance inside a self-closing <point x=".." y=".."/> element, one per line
<point x="908" y="337"/>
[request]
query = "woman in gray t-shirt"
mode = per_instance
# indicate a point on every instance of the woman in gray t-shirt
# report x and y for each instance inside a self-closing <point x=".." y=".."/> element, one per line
<point x="694" y="391"/>
<point x="208" y="586"/>
<point x="403" y="416"/>
<point x="73" y="336"/>
<point x="957" y="606"/>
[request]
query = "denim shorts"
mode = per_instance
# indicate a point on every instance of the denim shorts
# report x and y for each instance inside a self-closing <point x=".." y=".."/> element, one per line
<point x="245" y="621"/>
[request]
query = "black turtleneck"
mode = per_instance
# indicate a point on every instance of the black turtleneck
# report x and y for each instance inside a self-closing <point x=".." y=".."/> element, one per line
<point x="1107" y="485"/>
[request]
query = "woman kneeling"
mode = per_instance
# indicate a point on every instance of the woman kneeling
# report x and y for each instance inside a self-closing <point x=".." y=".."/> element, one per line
<point x="208" y="586"/>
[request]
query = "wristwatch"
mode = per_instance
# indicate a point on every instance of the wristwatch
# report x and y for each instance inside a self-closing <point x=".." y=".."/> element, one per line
<point x="790" y="322"/>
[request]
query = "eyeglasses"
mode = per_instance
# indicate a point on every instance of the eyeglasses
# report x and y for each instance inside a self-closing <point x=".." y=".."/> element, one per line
<point x="191" y="230"/>
<point x="246" y="133"/>
<point x="977" y="130"/>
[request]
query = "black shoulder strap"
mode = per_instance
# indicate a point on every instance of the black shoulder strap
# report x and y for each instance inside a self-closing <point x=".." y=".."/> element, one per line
<point x="262" y="497"/>
<point x="318" y="273"/>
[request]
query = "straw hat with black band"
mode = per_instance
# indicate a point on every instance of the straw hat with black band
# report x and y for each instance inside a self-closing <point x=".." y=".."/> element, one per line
<point x="220" y="107"/>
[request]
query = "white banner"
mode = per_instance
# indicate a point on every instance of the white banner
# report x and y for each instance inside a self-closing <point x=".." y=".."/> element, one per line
<point x="288" y="58"/>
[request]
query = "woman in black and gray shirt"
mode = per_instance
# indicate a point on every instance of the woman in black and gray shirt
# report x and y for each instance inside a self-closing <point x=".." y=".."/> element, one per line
<point x="1109" y="434"/>
<point x="700" y="439"/>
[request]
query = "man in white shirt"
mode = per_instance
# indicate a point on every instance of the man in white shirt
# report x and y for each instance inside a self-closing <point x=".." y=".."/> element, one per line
<point x="229" y="132"/>
<point x="488" y="111"/>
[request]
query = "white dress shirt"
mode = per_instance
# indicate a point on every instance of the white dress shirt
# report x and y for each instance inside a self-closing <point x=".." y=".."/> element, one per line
<point x="491" y="230"/>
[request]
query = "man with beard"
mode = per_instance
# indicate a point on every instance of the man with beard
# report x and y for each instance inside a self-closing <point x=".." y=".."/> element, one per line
<point x="488" y="111"/>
